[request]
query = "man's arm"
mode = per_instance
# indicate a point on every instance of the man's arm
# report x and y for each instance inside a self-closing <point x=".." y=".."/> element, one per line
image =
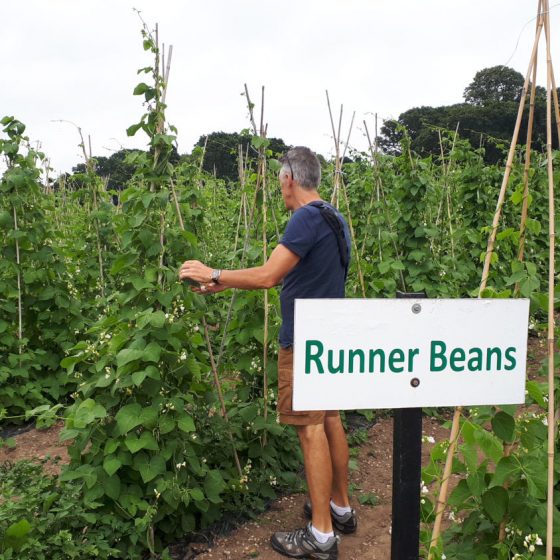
<point x="281" y="261"/>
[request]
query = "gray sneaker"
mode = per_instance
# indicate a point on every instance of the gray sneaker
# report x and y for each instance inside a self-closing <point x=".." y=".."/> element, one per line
<point x="347" y="523"/>
<point x="302" y="544"/>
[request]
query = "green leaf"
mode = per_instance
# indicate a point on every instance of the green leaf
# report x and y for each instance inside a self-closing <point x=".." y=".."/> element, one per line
<point x="186" y="423"/>
<point x="138" y="377"/>
<point x="196" y="494"/>
<point x="16" y="534"/>
<point x="213" y="486"/>
<point x="535" y="392"/>
<point x="111" y="464"/>
<point x="149" y="417"/>
<point x="141" y="88"/>
<point x="490" y="445"/>
<point x="128" y="417"/>
<point x="112" y="486"/>
<point x="503" y="425"/>
<point x="152" y="352"/>
<point x="495" y="503"/>
<point x="150" y="467"/>
<point x="123" y="261"/>
<point x="145" y="441"/>
<point x="132" y="130"/>
<point x="505" y="469"/>
<point x="87" y="412"/>
<point x="460" y="495"/>
<point x="128" y="355"/>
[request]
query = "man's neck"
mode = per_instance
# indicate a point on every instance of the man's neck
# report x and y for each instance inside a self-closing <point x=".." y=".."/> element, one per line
<point x="304" y="196"/>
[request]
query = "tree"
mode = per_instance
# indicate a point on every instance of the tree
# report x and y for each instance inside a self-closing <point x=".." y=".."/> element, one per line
<point x="494" y="85"/>
<point x="487" y="118"/>
<point x="222" y="152"/>
<point x="115" y="169"/>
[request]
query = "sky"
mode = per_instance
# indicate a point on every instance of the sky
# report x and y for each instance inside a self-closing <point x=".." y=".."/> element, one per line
<point x="76" y="62"/>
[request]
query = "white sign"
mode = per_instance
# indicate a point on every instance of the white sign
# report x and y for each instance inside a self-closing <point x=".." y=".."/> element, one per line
<point x="401" y="353"/>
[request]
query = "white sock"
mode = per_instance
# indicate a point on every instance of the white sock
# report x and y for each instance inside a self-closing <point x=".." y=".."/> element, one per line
<point x="321" y="537"/>
<point x="339" y="510"/>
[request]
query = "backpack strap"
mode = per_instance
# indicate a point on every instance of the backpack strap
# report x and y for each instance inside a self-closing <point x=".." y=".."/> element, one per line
<point x="332" y="220"/>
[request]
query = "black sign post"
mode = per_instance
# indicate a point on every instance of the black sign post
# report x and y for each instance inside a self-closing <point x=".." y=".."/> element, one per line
<point x="407" y="465"/>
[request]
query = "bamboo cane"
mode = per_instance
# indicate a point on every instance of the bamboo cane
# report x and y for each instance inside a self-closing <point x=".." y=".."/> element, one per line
<point x="266" y="318"/>
<point x="505" y="181"/>
<point x="551" y="322"/>
<point x="337" y="153"/>
<point x="220" y="395"/>
<point x="20" y="303"/>
<point x="360" y="275"/>
<point x="387" y="215"/>
<point x="250" y="106"/>
<point x="526" y="167"/>
<point x="554" y="95"/>
<point x="442" y="499"/>
<point x="524" y="212"/>
<point x="441" y="502"/>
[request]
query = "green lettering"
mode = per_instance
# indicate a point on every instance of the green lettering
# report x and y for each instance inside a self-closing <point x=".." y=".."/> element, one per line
<point x="475" y="362"/>
<point x="511" y="358"/>
<point x="351" y="355"/>
<point x="309" y="356"/>
<point x="457" y="355"/>
<point x="437" y="352"/>
<point x="411" y="353"/>
<point x="396" y="357"/>
<point x="381" y="354"/>
<point x="496" y="352"/>
<point x="340" y="367"/>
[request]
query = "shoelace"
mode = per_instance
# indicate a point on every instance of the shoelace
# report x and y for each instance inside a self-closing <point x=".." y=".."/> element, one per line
<point x="296" y="536"/>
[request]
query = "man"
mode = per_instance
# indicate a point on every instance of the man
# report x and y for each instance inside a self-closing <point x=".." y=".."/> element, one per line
<point x="311" y="261"/>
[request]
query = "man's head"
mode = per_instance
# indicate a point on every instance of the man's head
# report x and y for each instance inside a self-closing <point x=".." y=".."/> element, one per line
<point x="300" y="170"/>
<point x="302" y="166"/>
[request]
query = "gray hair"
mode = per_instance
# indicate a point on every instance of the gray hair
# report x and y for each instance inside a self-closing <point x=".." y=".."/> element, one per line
<point x="303" y="166"/>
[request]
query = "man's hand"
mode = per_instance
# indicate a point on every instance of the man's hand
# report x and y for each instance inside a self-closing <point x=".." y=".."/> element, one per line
<point x="210" y="288"/>
<point x="196" y="271"/>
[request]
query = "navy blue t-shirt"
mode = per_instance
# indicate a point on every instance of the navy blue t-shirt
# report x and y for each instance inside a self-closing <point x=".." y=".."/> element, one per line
<point x="319" y="273"/>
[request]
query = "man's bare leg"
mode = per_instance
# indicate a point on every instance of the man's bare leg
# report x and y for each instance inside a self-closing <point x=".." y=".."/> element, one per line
<point x="319" y="474"/>
<point x="338" y="447"/>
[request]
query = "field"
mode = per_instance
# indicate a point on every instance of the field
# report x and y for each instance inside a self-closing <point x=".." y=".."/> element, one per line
<point x="166" y="399"/>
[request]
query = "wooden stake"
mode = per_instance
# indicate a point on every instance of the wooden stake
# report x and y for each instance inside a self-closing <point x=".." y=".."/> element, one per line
<point x="265" y="331"/>
<point x="381" y="196"/>
<point x="220" y="395"/>
<point x="20" y="304"/>
<point x="501" y="197"/>
<point x="525" y="205"/>
<point x="250" y="106"/>
<point x="441" y="502"/>
<point x="551" y="322"/>
<point x="334" y="196"/>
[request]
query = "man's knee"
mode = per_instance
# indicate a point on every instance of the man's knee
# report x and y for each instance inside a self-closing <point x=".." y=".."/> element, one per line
<point x="310" y="433"/>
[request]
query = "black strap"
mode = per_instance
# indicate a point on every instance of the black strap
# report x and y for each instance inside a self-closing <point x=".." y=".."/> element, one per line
<point x="332" y="220"/>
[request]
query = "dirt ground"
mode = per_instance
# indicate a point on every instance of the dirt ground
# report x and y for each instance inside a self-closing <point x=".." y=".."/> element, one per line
<point x="372" y="541"/>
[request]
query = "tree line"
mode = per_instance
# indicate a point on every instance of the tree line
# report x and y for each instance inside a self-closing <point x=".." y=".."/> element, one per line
<point x="486" y="118"/>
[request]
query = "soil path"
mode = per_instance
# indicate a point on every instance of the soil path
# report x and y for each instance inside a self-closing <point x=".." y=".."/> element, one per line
<point x="372" y="541"/>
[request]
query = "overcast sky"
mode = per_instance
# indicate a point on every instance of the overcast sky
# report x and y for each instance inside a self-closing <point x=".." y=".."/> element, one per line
<point x="77" y="60"/>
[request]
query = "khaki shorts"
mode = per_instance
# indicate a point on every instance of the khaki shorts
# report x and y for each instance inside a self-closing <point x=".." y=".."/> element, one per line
<point x="285" y="393"/>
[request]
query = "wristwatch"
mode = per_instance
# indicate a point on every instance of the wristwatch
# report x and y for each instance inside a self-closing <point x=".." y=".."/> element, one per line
<point x="216" y="275"/>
